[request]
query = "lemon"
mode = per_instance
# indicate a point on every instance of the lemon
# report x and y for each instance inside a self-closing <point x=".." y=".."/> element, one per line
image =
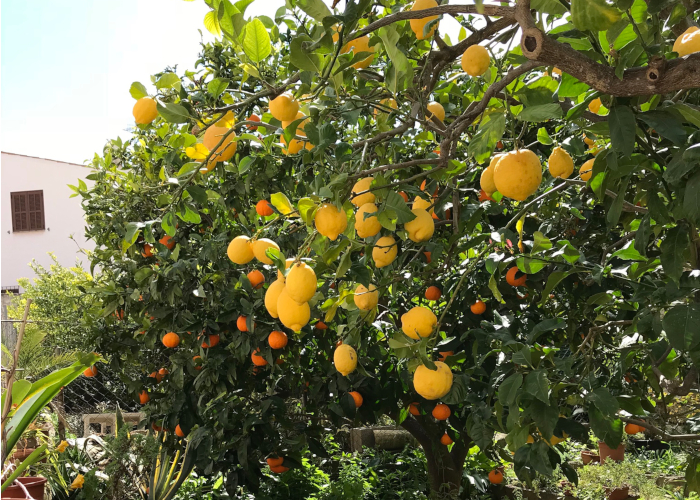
<point x="345" y="359"/>
<point x="292" y="315"/>
<point x="486" y="180"/>
<point x="239" y="250"/>
<point x="360" y="45"/>
<point x="301" y="282"/>
<point x="295" y="145"/>
<point x="284" y="107"/>
<point x="418" y="25"/>
<point x="586" y="170"/>
<point x="366" y="299"/>
<point x="418" y="322"/>
<point x="287" y="263"/>
<point x="259" y="248"/>
<point x="384" y="251"/>
<point x="367" y="227"/>
<point x="433" y="384"/>
<point x="424" y="204"/>
<point x="475" y="60"/>
<point x="359" y="187"/>
<point x="386" y="103"/>
<point x="272" y="296"/>
<point x="594" y="105"/>
<point x="300" y="126"/>
<point x="436" y="110"/>
<point x="145" y="110"/>
<point x="422" y="227"/>
<point x="226" y="121"/>
<point x="518" y="174"/>
<point x="560" y="163"/>
<point x="330" y="221"/>
<point x="213" y="136"/>
<point x="687" y="43"/>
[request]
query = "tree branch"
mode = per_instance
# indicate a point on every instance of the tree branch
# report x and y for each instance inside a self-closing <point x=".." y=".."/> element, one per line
<point x="659" y="432"/>
<point x="395" y="166"/>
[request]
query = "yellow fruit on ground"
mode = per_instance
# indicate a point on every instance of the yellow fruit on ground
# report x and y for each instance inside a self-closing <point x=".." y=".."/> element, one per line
<point x="287" y="263"/>
<point x="560" y="163"/>
<point x="145" y="110"/>
<point x="436" y="110"/>
<point x="384" y="251"/>
<point x="301" y="282"/>
<point x="594" y="105"/>
<point x="259" y="248"/>
<point x="213" y="136"/>
<point x="240" y="250"/>
<point x="359" y="187"/>
<point x="687" y="43"/>
<point x="486" y="180"/>
<point x="426" y="205"/>
<point x="586" y="170"/>
<point x="422" y="227"/>
<point x="345" y="359"/>
<point x="300" y="126"/>
<point x="292" y="314"/>
<point x="386" y="103"/>
<point x="360" y="45"/>
<point x="272" y="296"/>
<point x="367" y="227"/>
<point x="366" y="299"/>
<point x="284" y="107"/>
<point x="475" y="60"/>
<point x="330" y="221"/>
<point x="433" y="384"/>
<point x="418" y="322"/>
<point x="518" y="174"/>
<point x="418" y="25"/>
<point x="295" y="145"/>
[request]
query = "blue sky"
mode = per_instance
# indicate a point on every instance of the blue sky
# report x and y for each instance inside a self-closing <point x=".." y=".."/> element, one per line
<point x="66" y="67"/>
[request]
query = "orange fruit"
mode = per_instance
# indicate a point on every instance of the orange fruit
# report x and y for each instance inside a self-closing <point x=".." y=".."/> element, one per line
<point x="163" y="372"/>
<point x="357" y="397"/>
<point x="90" y="372"/>
<point x="277" y="340"/>
<point x="155" y="427"/>
<point x="478" y="307"/>
<point x="633" y="429"/>
<point x="320" y="325"/>
<point x="446" y="439"/>
<point x="275" y="461"/>
<point x="512" y="280"/>
<point x="279" y="469"/>
<point x="441" y="412"/>
<point x="171" y="339"/>
<point x="211" y="341"/>
<point x="413" y="409"/>
<point x="499" y="144"/>
<point x="144" y="397"/>
<point x="156" y="376"/>
<point x="433" y="293"/>
<point x="496" y="476"/>
<point x="483" y="196"/>
<point x="147" y="250"/>
<point x="442" y="355"/>
<point x="241" y="324"/>
<point x="256" y="279"/>
<point x="404" y="196"/>
<point x="264" y="208"/>
<point x="179" y="432"/>
<point x="253" y="118"/>
<point x="258" y="360"/>
<point x="428" y="257"/>
<point x="197" y="362"/>
<point x="215" y="135"/>
<point x="167" y="241"/>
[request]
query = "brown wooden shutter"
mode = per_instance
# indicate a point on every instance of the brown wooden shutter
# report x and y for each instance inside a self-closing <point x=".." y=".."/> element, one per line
<point x="27" y="211"/>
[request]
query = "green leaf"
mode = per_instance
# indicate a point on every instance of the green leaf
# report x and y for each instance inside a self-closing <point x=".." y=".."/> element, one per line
<point x="545" y="326"/>
<point x="391" y="44"/>
<point x="545" y="416"/>
<point x="168" y="224"/>
<point x="604" y="401"/>
<point x="211" y="23"/>
<point x="537" y="384"/>
<point x="167" y="80"/>
<point x="493" y="286"/>
<point x="682" y="326"/>
<point x="540" y="113"/>
<point x="673" y="251"/>
<point x="554" y="279"/>
<point x="303" y="58"/>
<point x="217" y="86"/>
<point x="173" y="113"/>
<point x="486" y="137"/>
<point x="543" y="136"/>
<point x="606" y="429"/>
<point x="509" y="389"/>
<point x="315" y="8"/>
<point x="541" y="242"/>
<point x="593" y="15"/>
<point x="571" y="86"/>
<point x="20" y="389"/>
<point x="137" y="90"/>
<point x="691" y="198"/>
<point x="666" y="124"/>
<point x="554" y="7"/>
<point x="623" y="128"/>
<point x="282" y="203"/>
<point x="256" y="41"/>
<point x="395" y="202"/>
<point x="615" y="211"/>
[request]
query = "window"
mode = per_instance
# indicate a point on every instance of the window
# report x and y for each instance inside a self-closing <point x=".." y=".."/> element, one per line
<point x="27" y="211"/>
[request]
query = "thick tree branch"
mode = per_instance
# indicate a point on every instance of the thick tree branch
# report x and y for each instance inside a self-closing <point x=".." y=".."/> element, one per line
<point x="659" y="432"/>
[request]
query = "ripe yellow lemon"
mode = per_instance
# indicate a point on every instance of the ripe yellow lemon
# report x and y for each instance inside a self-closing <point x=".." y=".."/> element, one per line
<point x="259" y="248"/>
<point x="594" y="105"/>
<point x="330" y="221"/>
<point x="436" y="110"/>
<point x="239" y="250"/>
<point x="586" y="170"/>
<point x="292" y="314"/>
<point x="486" y="180"/>
<point x="426" y="205"/>
<point x="360" y="45"/>
<point x="284" y="107"/>
<point x="213" y="136"/>
<point x="384" y="251"/>
<point x="366" y="299"/>
<point x="687" y="43"/>
<point x="367" y="227"/>
<point x="272" y="296"/>
<point x="475" y="60"/>
<point x="359" y="187"/>
<point x="560" y="163"/>
<point x="287" y="263"/>
<point x="418" y="322"/>
<point x="295" y="145"/>
<point x="345" y="359"/>
<point x="386" y="103"/>
<point x="518" y="174"/>
<point x="145" y="110"/>
<point x="422" y="227"/>
<point x="300" y="126"/>
<point x="433" y="384"/>
<point x="226" y="121"/>
<point x="418" y="25"/>
<point x="301" y="282"/>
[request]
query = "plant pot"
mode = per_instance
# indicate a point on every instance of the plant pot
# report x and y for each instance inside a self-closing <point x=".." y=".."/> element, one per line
<point x="618" y="493"/>
<point x="22" y="454"/>
<point x="642" y="445"/>
<point x="34" y="486"/>
<point x="618" y="454"/>
<point x="588" y="456"/>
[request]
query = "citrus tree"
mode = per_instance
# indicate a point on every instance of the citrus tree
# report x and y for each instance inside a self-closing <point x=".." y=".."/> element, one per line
<point x="341" y="215"/>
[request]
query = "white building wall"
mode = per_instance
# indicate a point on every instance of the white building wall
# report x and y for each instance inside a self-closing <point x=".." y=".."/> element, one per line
<point x="63" y="216"/>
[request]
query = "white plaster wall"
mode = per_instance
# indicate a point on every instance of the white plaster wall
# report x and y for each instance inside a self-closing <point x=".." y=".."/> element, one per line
<point x="63" y="215"/>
